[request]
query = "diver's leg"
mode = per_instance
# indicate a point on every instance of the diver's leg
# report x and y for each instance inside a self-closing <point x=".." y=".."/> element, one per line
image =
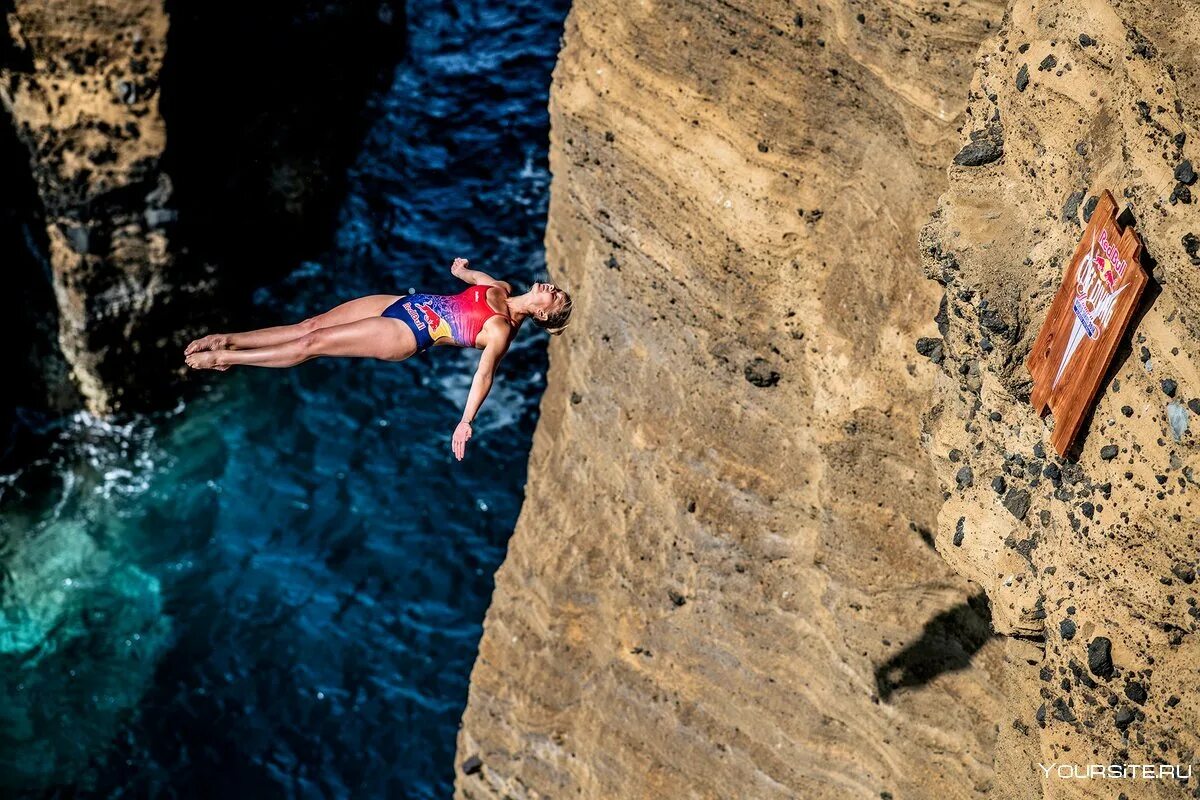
<point x="350" y="311"/>
<point x="377" y="337"/>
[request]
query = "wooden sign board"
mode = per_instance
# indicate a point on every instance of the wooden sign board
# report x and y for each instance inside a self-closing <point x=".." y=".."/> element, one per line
<point x="1098" y="296"/>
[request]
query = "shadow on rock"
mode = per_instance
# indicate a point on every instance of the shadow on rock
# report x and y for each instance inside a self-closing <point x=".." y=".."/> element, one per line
<point x="947" y="643"/>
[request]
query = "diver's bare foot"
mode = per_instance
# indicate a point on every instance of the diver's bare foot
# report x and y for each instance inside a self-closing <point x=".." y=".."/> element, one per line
<point x="214" y="341"/>
<point x="205" y="360"/>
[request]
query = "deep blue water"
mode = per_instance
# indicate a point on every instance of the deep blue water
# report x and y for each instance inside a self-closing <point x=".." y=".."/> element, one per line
<point x="277" y="589"/>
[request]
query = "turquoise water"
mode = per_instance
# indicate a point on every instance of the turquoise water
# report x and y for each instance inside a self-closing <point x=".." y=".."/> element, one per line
<point x="277" y="588"/>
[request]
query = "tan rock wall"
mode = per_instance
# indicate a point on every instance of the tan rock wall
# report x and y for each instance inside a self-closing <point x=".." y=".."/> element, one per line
<point x="718" y="586"/>
<point x="1089" y="95"/>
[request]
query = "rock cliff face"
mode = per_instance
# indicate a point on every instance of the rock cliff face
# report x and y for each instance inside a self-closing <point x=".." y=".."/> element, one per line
<point x="720" y="584"/>
<point x="162" y="172"/>
<point x="81" y="84"/>
<point x="1092" y="559"/>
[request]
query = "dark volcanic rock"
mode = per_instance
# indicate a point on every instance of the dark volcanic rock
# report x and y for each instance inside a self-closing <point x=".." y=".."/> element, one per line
<point x="1022" y="78"/>
<point x="931" y="348"/>
<point x="1100" y="657"/>
<point x="1089" y="207"/>
<point x="1071" y="206"/>
<point x="964" y="478"/>
<point x="1109" y="452"/>
<point x="1183" y="572"/>
<point x="759" y="373"/>
<point x="985" y="147"/>
<point x="1191" y="246"/>
<point x="1017" y="502"/>
<point x="1185" y="174"/>
<point x="1063" y="711"/>
<point x="1066" y="629"/>
<point x="1136" y="692"/>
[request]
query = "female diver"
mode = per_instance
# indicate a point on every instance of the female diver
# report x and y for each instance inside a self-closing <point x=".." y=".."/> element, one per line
<point x="393" y="327"/>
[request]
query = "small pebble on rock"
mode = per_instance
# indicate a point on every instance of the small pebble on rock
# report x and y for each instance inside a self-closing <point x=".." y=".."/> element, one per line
<point x="1184" y="173"/>
<point x="964" y="478"/>
<point x="1177" y="417"/>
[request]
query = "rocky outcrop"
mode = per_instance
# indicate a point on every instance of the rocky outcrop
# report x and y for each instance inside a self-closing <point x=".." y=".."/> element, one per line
<point x="719" y="584"/>
<point x="82" y="88"/>
<point x="179" y="155"/>
<point x="1091" y="559"/>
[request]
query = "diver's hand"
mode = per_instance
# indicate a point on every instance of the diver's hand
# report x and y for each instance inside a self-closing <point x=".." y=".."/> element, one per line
<point x="461" y="434"/>
<point x="459" y="264"/>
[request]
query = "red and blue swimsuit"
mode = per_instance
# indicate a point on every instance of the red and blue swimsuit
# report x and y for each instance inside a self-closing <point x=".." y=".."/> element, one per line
<point x="433" y="318"/>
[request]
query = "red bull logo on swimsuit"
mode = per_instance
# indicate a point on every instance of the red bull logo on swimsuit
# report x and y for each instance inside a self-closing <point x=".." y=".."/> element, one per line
<point x="415" y="317"/>
<point x="438" y="327"/>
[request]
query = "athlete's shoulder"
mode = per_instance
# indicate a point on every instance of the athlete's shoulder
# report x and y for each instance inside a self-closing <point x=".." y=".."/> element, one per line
<point x="504" y="285"/>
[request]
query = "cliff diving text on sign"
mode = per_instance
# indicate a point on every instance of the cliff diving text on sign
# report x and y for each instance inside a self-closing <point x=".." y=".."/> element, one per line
<point x="1093" y="306"/>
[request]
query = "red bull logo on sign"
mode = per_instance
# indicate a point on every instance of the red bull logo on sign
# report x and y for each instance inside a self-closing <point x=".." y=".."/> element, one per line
<point x="1095" y="297"/>
<point x="1094" y="304"/>
<point x="1111" y="267"/>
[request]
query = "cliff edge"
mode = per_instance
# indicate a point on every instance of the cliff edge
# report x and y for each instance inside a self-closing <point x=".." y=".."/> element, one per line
<point x="722" y="581"/>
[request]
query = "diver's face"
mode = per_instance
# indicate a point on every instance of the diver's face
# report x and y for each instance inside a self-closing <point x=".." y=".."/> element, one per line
<point x="547" y="297"/>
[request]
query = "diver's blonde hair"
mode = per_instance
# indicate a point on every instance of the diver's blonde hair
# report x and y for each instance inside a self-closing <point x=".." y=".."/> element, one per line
<point x="555" y="323"/>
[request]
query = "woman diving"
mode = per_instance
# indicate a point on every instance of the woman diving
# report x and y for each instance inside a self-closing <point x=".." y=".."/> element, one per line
<point x="393" y="327"/>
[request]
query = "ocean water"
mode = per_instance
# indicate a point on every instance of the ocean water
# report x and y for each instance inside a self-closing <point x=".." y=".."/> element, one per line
<point x="277" y="588"/>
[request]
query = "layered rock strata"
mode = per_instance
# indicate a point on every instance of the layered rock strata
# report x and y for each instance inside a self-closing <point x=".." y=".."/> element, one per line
<point x="719" y="584"/>
<point x="1091" y="559"/>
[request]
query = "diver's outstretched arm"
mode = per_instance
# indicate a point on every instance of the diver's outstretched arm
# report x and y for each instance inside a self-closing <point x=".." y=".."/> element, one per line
<point x="481" y="384"/>
<point x="475" y="277"/>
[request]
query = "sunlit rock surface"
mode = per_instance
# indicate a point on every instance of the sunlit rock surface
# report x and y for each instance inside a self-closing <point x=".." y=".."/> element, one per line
<point x="1091" y="561"/>
<point x="720" y="584"/>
